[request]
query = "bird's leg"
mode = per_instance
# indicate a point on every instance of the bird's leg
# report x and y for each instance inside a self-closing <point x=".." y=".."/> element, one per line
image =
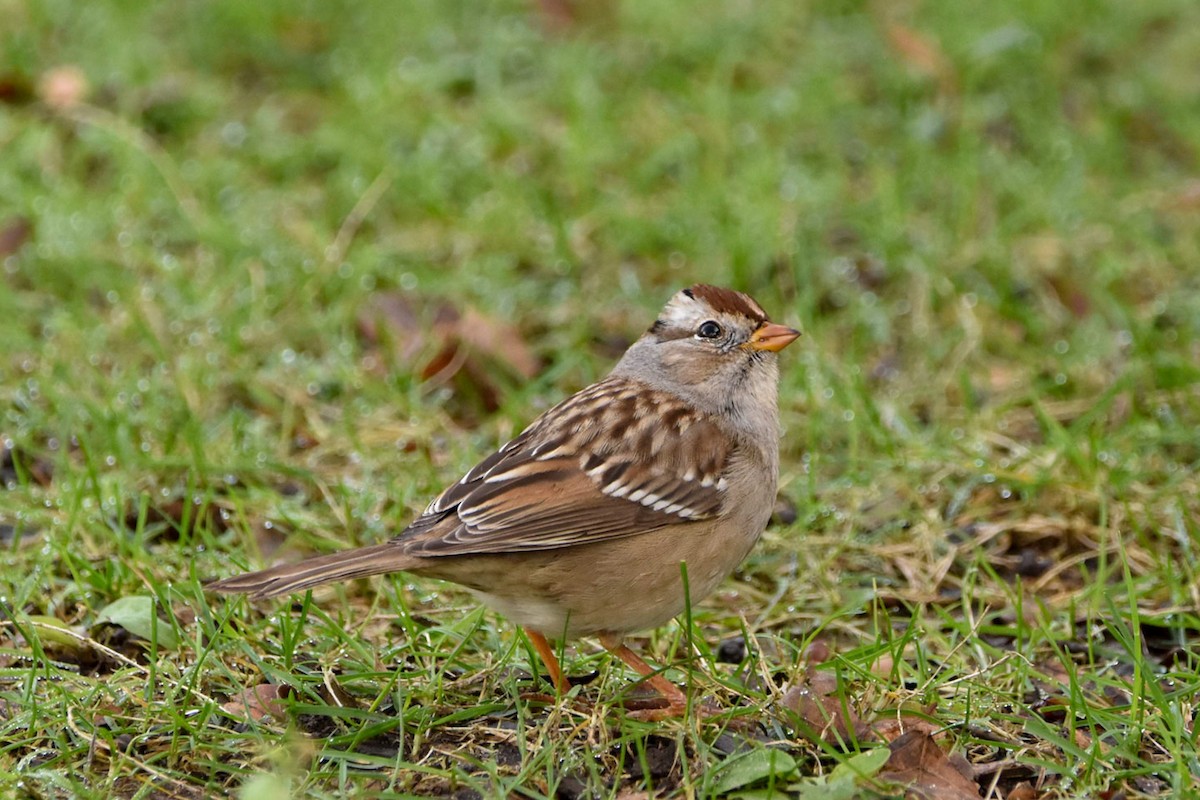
<point x="561" y="685"/>
<point x="676" y="699"/>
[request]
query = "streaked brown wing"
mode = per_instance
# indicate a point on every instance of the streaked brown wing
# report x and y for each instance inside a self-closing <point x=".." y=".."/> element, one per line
<point x="590" y="476"/>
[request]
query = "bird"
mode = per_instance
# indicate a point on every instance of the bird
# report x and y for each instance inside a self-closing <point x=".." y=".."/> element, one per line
<point x="616" y="507"/>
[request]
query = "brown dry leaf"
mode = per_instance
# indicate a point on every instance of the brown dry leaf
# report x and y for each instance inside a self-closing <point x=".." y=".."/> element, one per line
<point x="566" y="16"/>
<point x="389" y="317"/>
<point x="15" y="88"/>
<point x="470" y="347"/>
<point x="63" y="88"/>
<point x="1071" y="293"/>
<point x="926" y="770"/>
<point x="14" y="235"/>
<point x="334" y="694"/>
<point x="257" y="702"/>
<point x="269" y="538"/>
<point x="900" y="723"/>
<point x="820" y="714"/>
<point x="410" y="325"/>
<point x="556" y="15"/>
<point x="1023" y="791"/>
<point x="923" y="54"/>
<point x="498" y="339"/>
<point x="1008" y="775"/>
<point x="818" y="652"/>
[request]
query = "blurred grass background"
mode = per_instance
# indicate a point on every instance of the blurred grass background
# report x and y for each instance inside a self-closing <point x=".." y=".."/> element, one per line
<point x="226" y="230"/>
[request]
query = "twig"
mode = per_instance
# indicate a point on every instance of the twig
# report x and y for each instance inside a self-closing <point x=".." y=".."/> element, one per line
<point x="336" y="252"/>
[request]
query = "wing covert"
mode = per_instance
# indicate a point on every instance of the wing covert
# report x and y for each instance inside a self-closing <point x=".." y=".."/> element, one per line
<point x="617" y="459"/>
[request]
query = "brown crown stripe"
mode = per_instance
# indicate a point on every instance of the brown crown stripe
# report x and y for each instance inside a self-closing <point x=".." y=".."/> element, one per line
<point x="728" y="301"/>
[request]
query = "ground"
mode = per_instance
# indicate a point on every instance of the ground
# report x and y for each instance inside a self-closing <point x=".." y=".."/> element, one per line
<point x="273" y="273"/>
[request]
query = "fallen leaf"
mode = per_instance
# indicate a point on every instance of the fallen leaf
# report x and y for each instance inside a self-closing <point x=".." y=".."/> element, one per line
<point x="389" y="318"/>
<point x="899" y="723"/>
<point x="469" y="347"/>
<point x="499" y="339"/>
<point x="14" y="235"/>
<point x="567" y="16"/>
<point x="817" y="652"/>
<point x="843" y="783"/>
<point x="410" y="324"/>
<point x="754" y="766"/>
<point x="925" y="769"/>
<point x="55" y="634"/>
<point x="15" y="88"/>
<point x="819" y="712"/>
<point x="922" y="54"/>
<point x="334" y="694"/>
<point x="137" y="614"/>
<point x="862" y="765"/>
<point x="258" y="702"/>
<point x="1023" y="791"/>
<point x="1071" y="292"/>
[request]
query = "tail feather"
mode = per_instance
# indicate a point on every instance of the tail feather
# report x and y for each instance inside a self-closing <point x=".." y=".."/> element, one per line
<point x="289" y="578"/>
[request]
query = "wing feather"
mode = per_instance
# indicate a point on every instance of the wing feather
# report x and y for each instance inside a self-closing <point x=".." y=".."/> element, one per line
<point x="617" y="459"/>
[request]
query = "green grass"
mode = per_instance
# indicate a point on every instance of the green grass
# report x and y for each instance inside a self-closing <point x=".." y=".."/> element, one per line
<point x="985" y="219"/>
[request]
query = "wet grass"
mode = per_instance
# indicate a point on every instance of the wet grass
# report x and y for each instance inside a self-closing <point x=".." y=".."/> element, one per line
<point x="225" y="233"/>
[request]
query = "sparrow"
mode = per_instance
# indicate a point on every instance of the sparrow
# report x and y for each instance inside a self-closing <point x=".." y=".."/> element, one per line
<point x="587" y="522"/>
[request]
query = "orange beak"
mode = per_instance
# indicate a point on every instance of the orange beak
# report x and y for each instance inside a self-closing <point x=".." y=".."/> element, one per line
<point x="773" y="337"/>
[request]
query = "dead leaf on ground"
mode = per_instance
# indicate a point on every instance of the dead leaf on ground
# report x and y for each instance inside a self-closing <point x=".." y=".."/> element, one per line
<point x="334" y="694"/>
<point x="1071" y="292"/>
<point x="468" y="346"/>
<point x="259" y="702"/>
<point x="1023" y="791"/>
<point x="820" y="713"/>
<point x="924" y="768"/>
<point x="498" y="339"/>
<point x="412" y="323"/>
<point x="15" y="88"/>
<point x="899" y="723"/>
<point x="1006" y="775"/>
<point x="923" y="54"/>
<point x="14" y="235"/>
<point x="567" y="16"/>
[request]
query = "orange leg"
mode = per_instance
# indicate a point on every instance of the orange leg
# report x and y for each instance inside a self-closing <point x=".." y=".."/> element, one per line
<point x="561" y="685"/>
<point x="676" y="699"/>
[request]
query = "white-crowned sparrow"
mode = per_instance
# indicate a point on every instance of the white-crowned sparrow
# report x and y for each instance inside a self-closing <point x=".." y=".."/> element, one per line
<point x="578" y="526"/>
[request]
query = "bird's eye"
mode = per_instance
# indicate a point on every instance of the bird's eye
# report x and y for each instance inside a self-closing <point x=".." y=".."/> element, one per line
<point x="708" y="330"/>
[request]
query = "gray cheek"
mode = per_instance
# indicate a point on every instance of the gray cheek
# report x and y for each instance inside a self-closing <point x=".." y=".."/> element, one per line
<point x="686" y="366"/>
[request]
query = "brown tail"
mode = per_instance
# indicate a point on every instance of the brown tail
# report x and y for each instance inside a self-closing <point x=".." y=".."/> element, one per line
<point x="288" y="578"/>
